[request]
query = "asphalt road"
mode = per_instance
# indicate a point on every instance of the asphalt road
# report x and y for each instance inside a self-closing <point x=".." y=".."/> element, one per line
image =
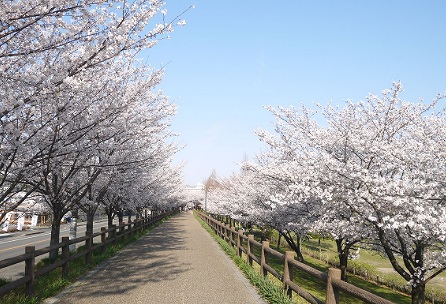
<point x="13" y="244"/>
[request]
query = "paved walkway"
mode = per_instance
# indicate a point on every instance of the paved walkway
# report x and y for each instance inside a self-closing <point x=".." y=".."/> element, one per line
<point x="177" y="262"/>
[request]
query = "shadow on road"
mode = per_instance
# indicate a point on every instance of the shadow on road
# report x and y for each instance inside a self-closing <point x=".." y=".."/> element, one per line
<point x="150" y="259"/>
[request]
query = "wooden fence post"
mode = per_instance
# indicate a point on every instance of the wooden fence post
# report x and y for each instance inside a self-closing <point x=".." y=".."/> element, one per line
<point x="88" y="242"/>
<point x="132" y="228"/>
<point x="224" y="232"/>
<point x="231" y="236"/>
<point x="65" y="256"/>
<point x="29" y="269"/>
<point x="239" y="243"/>
<point x="112" y="234"/>
<point x="249" y="258"/>
<point x="121" y="231"/>
<point x="103" y="239"/>
<point x="288" y="272"/>
<point x="263" y="259"/>
<point x="332" y="293"/>
<point x="228" y="231"/>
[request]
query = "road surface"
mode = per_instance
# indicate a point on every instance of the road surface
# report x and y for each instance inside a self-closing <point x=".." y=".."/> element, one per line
<point x="177" y="262"/>
<point x="13" y="244"/>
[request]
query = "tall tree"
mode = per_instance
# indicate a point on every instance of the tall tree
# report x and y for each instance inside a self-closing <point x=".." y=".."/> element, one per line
<point x="382" y="160"/>
<point x="56" y="113"/>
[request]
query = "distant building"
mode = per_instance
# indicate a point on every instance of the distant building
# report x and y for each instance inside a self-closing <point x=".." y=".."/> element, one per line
<point x="31" y="212"/>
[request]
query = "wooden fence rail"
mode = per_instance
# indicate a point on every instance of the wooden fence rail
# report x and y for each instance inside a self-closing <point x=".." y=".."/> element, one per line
<point x="108" y="236"/>
<point x="332" y="279"/>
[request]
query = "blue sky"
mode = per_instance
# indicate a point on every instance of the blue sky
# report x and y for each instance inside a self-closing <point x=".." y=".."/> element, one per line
<point x="234" y="57"/>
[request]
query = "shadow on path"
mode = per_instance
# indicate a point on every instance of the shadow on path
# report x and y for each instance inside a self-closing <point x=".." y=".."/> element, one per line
<point x="177" y="262"/>
<point x="150" y="259"/>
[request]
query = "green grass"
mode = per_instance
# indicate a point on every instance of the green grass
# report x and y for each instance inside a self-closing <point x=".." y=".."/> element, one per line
<point x="372" y="265"/>
<point x="317" y="288"/>
<point x="313" y="285"/>
<point x="3" y="282"/>
<point x="52" y="283"/>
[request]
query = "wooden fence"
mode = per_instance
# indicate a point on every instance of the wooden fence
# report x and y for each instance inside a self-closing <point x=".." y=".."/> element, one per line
<point x="332" y="279"/>
<point x="108" y="236"/>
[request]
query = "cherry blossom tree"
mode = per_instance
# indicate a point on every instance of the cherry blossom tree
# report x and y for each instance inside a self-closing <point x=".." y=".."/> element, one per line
<point x="136" y="140"/>
<point x="56" y="113"/>
<point x="292" y="211"/>
<point x="380" y="164"/>
<point x="260" y="196"/>
<point x="77" y="138"/>
<point x="143" y="176"/>
<point x="298" y="163"/>
<point x="393" y="173"/>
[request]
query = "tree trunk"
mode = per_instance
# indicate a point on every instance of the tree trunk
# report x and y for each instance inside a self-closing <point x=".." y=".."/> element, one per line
<point x="343" y="258"/>
<point x="300" y="257"/>
<point x="110" y="216"/>
<point x="344" y="247"/>
<point x="418" y="292"/>
<point x="109" y="219"/>
<point x="120" y="217"/>
<point x="55" y="235"/>
<point x="343" y="262"/>
<point x="296" y="246"/>
<point x="58" y="213"/>
<point x="90" y="219"/>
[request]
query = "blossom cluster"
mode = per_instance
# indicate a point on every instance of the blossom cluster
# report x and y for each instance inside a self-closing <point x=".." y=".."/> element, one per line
<point x="81" y="121"/>
<point x="370" y="172"/>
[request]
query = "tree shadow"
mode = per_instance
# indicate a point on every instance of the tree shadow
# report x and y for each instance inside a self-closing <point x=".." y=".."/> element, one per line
<point x="151" y="259"/>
